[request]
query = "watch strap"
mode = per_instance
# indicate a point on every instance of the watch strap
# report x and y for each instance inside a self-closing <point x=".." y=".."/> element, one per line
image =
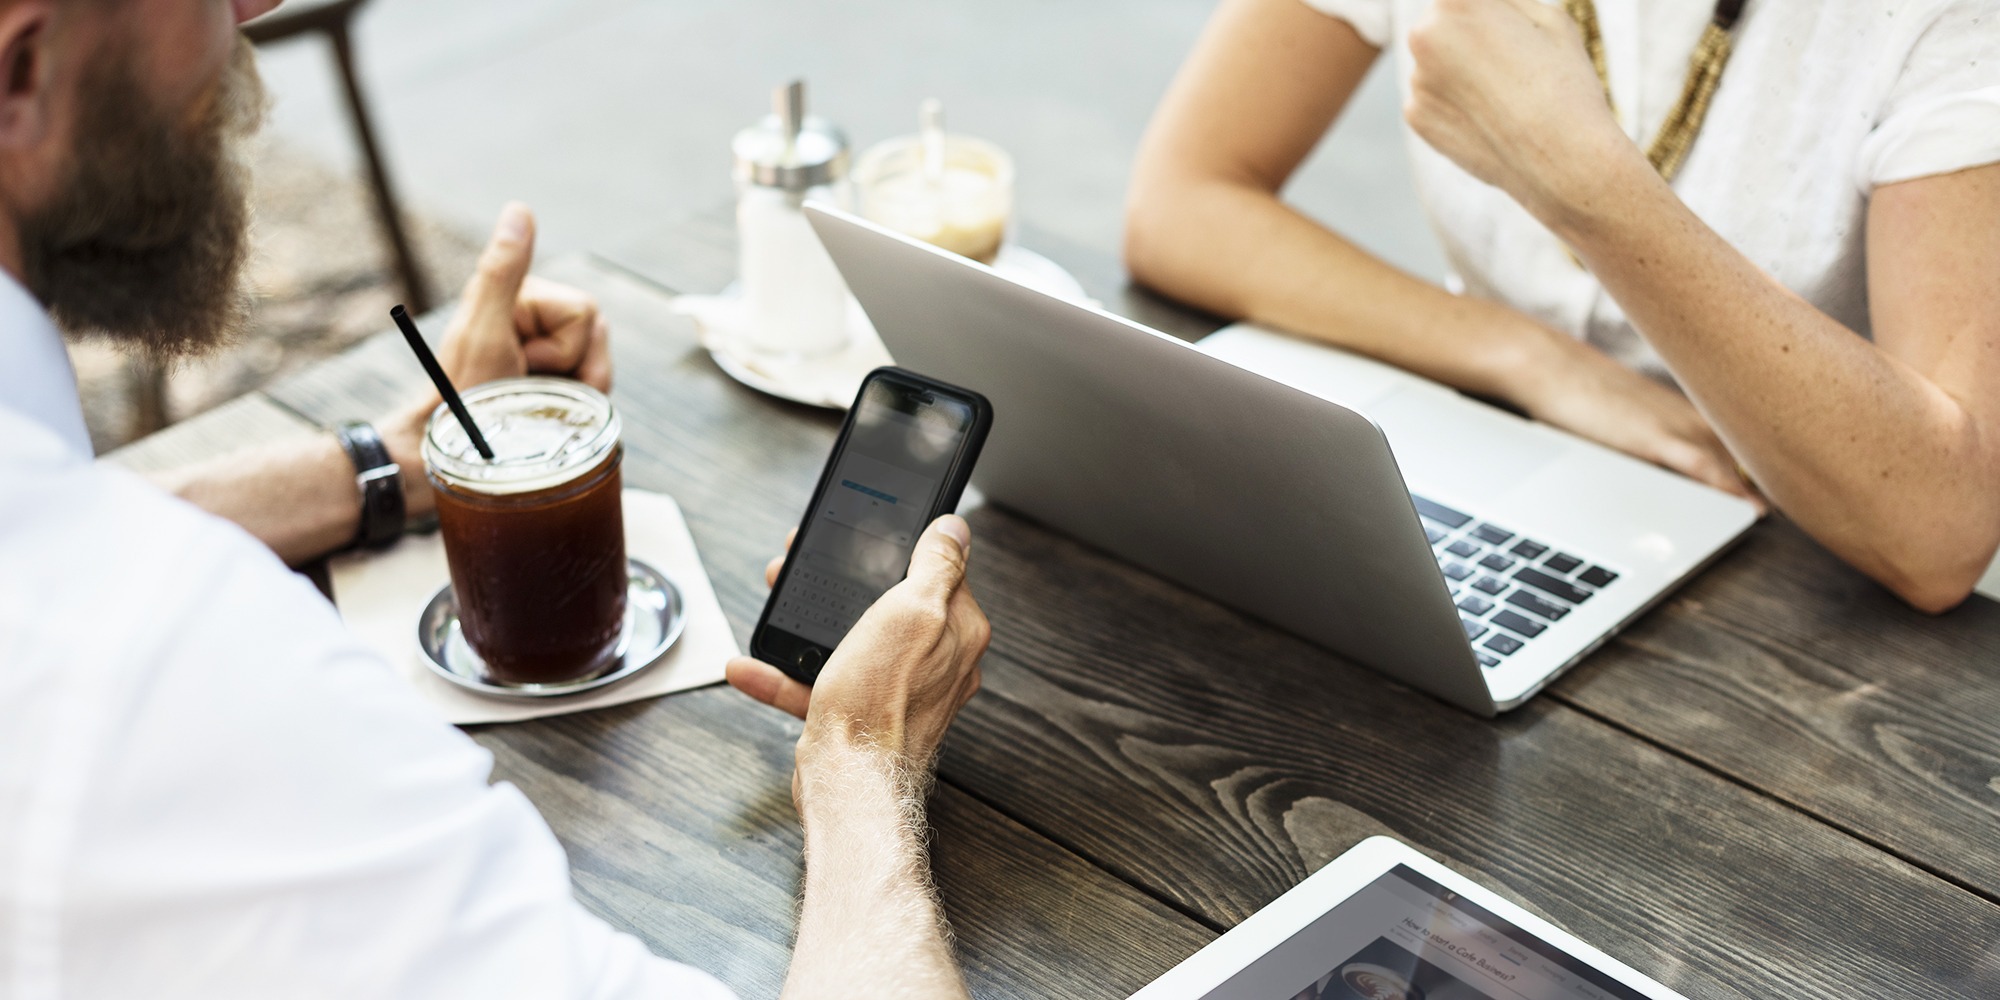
<point x="380" y="482"/>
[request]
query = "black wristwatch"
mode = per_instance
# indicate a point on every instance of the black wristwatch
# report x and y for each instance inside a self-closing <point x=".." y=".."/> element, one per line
<point x="380" y="481"/>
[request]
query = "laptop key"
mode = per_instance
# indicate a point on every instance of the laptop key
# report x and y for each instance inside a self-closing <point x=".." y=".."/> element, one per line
<point x="1490" y="584"/>
<point x="1463" y="548"/>
<point x="1596" y="576"/>
<point x="1475" y="605"/>
<point x="1530" y="601"/>
<point x="1562" y="562"/>
<point x="1553" y="586"/>
<point x="1504" y="644"/>
<point x="1528" y="549"/>
<point x="1431" y="510"/>
<point x="1433" y="534"/>
<point x="1492" y="534"/>
<point x="1458" y="570"/>
<point x="1487" y="660"/>
<point x="1473" y="629"/>
<point x="1518" y="623"/>
<point x="1497" y="562"/>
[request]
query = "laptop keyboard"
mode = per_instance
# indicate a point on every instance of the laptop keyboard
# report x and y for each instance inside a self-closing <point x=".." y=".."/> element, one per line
<point x="1509" y="588"/>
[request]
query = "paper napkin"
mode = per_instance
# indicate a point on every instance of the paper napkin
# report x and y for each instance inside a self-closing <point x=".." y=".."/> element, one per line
<point x="381" y="594"/>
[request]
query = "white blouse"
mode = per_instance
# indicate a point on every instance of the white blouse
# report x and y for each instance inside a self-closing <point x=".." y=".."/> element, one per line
<point x="1822" y="101"/>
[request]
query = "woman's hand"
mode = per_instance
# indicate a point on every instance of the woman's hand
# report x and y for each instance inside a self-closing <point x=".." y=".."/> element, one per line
<point x="1579" y="389"/>
<point x="1505" y="90"/>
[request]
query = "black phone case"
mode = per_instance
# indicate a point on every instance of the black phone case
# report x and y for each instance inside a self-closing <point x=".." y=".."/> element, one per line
<point x="806" y="670"/>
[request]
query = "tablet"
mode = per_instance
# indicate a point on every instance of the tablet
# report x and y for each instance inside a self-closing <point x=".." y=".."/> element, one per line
<point x="1383" y="922"/>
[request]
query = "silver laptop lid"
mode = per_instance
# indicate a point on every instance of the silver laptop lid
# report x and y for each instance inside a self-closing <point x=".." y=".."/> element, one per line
<point x="1275" y="502"/>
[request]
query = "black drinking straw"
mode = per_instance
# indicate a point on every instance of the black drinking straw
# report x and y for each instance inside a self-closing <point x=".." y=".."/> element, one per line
<point x="430" y="363"/>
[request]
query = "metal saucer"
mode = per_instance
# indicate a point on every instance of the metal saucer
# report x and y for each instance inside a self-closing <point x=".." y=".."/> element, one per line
<point x="654" y="617"/>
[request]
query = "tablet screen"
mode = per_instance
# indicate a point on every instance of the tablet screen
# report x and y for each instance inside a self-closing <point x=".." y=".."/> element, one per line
<point x="1405" y="937"/>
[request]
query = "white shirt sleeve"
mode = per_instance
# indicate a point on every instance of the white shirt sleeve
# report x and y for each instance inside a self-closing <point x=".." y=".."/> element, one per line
<point x="1372" y="19"/>
<point x="211" y="790"/>
<point x="1943" y="113"/>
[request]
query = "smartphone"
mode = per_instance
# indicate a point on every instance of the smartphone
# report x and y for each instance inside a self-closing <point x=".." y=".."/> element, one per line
<point x="902" y="460"/>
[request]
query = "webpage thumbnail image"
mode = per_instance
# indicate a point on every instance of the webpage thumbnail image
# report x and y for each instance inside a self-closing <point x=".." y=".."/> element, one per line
<point x="1386" y="971"/>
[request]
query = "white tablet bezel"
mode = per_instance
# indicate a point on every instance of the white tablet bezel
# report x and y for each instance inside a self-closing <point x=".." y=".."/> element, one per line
<point x="1333" y="885"/>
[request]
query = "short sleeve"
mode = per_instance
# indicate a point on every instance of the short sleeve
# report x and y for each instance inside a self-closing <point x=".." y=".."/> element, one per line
<point x="1370" y="18"/>
<point x="1943" y="113"/>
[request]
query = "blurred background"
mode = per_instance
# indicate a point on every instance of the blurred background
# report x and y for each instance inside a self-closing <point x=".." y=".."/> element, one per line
<point x="613" y="118"/>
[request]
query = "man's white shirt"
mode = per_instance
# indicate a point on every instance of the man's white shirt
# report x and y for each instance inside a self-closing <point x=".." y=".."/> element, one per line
<point x="209" y="789"/>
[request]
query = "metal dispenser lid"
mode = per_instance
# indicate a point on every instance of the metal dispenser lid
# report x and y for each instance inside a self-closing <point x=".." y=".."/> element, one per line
<point x="789" y="149"/>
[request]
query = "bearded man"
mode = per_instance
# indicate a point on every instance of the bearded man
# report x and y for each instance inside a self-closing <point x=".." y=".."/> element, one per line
<point x="207" y="788"/>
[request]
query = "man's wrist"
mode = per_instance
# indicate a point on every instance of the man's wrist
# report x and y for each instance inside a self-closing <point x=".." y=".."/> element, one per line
<point x="836" y="769"/>
<point x="403" y="434"/>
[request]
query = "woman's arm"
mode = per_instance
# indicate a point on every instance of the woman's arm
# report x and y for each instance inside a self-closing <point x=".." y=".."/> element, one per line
<point x="1887" y="452"/>
<point x="1205" y="224"/>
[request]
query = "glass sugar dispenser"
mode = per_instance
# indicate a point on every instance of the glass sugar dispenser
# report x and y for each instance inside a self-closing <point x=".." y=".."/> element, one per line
<point x="795" y="304"/>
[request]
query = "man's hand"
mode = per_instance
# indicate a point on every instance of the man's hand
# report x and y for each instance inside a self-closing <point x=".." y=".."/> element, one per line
<point x="1505" y="89"/>
<point x="870" y="924"/>
<point x="903" y="672"/>
<point x="1586" y="393"/>
<point x="510" y="323"/>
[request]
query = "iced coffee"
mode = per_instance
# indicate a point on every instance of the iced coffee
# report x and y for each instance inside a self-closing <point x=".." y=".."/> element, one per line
<point x="535" y="537"/>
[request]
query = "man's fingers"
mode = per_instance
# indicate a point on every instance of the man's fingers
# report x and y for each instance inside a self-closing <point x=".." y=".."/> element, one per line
<point x="769" y="685"/>
<point x="558" y="324"/>
<point x="496" y="284"/>
<point x="938" y="564"/>
<point x="595" y="368"/>
<point x="771" y="571"/>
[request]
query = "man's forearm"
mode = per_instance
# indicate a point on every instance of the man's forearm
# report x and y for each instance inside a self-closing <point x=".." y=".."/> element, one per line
<point x="300" y="497"/>
<point x="1845" y="437"/>
<point x="870" y="925"/>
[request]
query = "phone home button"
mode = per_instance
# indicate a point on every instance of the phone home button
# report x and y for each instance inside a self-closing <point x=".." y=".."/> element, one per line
<point x="808" y="661"/>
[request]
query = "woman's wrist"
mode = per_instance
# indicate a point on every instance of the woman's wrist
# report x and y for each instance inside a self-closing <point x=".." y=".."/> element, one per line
<point x="1522" y="358"/>
<point x="1593" y="188"/>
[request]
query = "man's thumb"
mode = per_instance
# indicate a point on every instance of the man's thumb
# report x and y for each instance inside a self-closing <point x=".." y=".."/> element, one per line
<point x="503" y="265"/>
<point x="939" y="560"/>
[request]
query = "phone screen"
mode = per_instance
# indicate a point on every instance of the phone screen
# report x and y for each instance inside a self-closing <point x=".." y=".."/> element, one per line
<point x="886" y="479"/>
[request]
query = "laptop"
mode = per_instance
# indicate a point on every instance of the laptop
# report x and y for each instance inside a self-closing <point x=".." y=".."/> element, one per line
<point x="1446" y="543"/>
<point x="1383" y="920"/>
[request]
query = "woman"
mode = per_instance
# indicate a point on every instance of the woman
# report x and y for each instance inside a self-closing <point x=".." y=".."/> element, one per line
<point x="1787" y="210"/>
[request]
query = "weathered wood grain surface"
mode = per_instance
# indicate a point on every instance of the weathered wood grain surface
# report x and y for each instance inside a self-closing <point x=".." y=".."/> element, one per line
<point x="243" y="422"/>
<point x="1781" y="666"/>
<point x="1213" y="762"/>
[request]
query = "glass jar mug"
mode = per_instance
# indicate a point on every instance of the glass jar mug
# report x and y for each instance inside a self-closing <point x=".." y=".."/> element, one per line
<point x="535" y="538"/>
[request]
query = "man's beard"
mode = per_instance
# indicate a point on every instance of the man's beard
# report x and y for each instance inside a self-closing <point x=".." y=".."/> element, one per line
<point x="144" y="242"/>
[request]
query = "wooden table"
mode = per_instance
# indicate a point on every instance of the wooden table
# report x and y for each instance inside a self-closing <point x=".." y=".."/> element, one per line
<point x="1780" y="783"/>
